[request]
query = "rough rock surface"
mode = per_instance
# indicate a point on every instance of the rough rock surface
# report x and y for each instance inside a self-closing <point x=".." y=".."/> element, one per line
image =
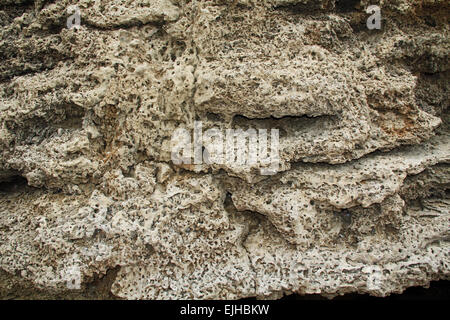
<point x="89" y="195"/>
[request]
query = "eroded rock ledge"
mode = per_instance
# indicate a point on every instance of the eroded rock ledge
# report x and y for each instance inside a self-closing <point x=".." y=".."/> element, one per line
<point x="88" y="190"/>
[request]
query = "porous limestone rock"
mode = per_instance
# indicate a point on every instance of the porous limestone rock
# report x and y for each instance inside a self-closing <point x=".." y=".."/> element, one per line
<point x="88" y="190"/>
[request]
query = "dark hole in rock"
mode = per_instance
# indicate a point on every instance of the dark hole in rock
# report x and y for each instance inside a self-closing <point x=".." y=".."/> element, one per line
<point x="346" y="5"/>
<point x="13" y="183"/>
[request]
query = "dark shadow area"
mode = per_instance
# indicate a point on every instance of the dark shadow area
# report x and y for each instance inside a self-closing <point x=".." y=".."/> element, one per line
<point x="346" y="5"/>
<point x="438" y="290"/>
<point x="13" y="184"/>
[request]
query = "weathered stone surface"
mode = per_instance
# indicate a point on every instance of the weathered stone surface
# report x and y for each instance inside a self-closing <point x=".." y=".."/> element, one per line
<point x="88" y="190"/>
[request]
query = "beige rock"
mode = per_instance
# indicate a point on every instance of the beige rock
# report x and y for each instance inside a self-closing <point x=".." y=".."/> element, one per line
<point x="88" y="189"/>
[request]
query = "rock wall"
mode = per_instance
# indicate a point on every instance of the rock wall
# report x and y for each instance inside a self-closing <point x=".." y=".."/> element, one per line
<point x="89" y="191"/>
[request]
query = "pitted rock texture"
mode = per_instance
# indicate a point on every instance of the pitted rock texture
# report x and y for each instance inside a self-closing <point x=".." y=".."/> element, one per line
<point x="88" y="190"/>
